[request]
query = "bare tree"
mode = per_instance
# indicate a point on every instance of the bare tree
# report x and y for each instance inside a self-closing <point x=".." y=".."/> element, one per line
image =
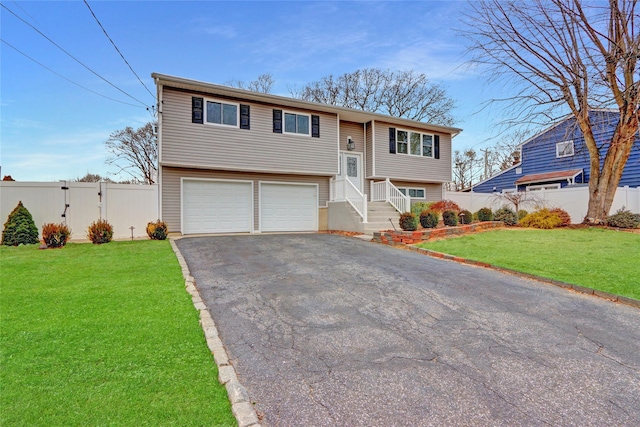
<point x="568" y="54"/>
<point x="504" y="153"/>
<point x="134" y="152"/>
<point x="397" y="93"/>
<point x="92" y="177"/>
<point x="263" y="84"/>
<point x="466" y="167"/>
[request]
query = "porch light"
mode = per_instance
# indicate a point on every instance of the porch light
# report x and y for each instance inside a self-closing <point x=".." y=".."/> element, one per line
<point x="350" y="144"/>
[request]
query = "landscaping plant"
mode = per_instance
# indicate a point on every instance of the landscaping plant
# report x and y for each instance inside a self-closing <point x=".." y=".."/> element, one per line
<point x="624" y="219"/>
<point x="445" y="205"/>
<point x="157" y="230"/>
<point x="408" y="221"/>
<point x="543" y="218"/>
<point x="450" y="218"/>
<point x="522" y="213"/>
<point x="429" y="219"/>
<point x="20" y="228"/>
<point x="55" y="235"/>
<point x="466" y="217"/>
<point x="100" y="232"/>
<point x="563" y="215"/>
<point x="485" y="214"/>
<point x="418" y="207"/>
<point x="506" y="215"/>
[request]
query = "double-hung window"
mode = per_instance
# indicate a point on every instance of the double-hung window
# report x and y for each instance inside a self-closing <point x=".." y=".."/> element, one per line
<point x="564" y="149"/>
<point x="414" y="143"/>
<point x="296" y="123"/>
<point x="222" y="113"/>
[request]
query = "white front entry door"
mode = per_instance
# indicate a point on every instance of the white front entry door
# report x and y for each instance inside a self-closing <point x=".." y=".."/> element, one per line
<point x="351" y="168"/>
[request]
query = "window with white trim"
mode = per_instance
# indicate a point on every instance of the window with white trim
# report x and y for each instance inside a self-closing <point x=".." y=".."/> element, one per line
<point x="297" y="123"/>
<point x="414" y="193"/>
<point x="221" y="113"/>
<point x="543" y="187"/>
<point x="414" y="143"/>
<point x="564" y="149"/>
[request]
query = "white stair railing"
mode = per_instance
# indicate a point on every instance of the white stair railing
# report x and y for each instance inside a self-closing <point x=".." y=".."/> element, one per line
<point x="343" y="189"/>
<point x="385" y="191"/>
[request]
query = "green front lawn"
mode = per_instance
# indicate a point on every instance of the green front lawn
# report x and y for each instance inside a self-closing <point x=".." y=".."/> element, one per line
<point x="606" y="260"/>
<point x="103" y="335"/>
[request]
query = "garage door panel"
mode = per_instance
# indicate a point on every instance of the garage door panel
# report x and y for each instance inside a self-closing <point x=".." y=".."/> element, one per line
<point x="217" y="206"/>
<point x="288" y="207"/>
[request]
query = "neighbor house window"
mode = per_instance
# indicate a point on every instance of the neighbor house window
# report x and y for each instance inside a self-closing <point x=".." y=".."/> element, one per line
<point x="564" y="149"/>
<point x="296" y="123"/>
<point x="417" y="193"/>
<point x="222" y="113"/>
<point x="414" y="143"/>
<point x="543" y="187"/>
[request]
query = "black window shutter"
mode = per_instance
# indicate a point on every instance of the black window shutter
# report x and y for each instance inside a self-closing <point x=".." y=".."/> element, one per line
<point x="315" y="126"/>
<point x="277" y="121"/>
<point x="436" y="146"/>
<point x="392" y="140"/>
<point x="197" y="110"/>
<point x="244" y="116"/>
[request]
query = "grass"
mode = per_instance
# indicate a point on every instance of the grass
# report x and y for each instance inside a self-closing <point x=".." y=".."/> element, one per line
<point x="103" y="335"/>
<point x="595" y="258"/>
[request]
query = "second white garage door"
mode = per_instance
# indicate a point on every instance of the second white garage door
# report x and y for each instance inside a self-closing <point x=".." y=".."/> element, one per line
<point x="288" y="207"/>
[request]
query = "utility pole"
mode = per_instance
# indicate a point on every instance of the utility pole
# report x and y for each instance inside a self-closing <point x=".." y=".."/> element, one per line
<point x="486" y="162"/>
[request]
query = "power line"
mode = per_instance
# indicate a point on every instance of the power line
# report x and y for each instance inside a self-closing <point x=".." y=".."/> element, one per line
<point x="73" y="57"/>
<point x="63" y="77"/>
<point x="118" y="50"/>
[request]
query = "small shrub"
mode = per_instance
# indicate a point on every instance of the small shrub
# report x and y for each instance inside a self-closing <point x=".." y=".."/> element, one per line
<point x="623" y="219"/>
<point x="485" y="214"/>
<point x="429" y="219"/>
<point x="522" y="213"/>
<point x="445" y="205"/>
<point x="543" y="218"/>
<point x="157" y="230"/>
<point x="466" y="217"/>
<point x="100" y="232"/>
<point x="418" y="207"/>
<point x="20" y="228"/>
<point x="506" y="215"/>
<point x="563" y="215"/>
<point x="450" y="218"/>
<point x="55" y="235"/>
<point x="408" y="221"/>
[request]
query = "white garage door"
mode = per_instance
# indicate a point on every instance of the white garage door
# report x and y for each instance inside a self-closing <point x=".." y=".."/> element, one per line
<point x="288" y="207"/>
<point x="216" y="206"/>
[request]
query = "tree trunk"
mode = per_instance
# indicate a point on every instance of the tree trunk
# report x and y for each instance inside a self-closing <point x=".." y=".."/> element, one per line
<point x="604" y="180"/>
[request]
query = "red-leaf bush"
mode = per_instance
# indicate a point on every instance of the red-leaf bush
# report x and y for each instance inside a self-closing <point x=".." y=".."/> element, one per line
<point x="100" y="232"/>
<point x="445" y="205"/>
<point x="157" y="230"/>
<point x="55" y="235"/>
<point x="563" y="215"/>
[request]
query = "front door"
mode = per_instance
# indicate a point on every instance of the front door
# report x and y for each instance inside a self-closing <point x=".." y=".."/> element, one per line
<point x="351" y="168"/>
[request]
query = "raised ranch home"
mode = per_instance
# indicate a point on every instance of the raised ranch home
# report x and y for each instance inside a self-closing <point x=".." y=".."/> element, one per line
<point x="558" y="158"/>
<point x="232" y="160"/>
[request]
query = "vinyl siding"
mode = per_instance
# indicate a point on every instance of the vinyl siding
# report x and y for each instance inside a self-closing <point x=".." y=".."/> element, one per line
<point x="407" y="167"/>
<point x="433" y="192"/>
<point x="369" y="151"/>
<point x="170" y="191"/>
<point x="186" y="144"/>
<point x="356" y="131"/>
<point x="539" y="155"/>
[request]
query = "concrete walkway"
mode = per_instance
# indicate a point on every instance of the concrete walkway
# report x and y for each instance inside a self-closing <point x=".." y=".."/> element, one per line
<point x="326" y="330"/>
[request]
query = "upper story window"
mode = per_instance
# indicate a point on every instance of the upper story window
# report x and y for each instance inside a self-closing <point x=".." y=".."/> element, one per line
<point x="417" y="193"/>
<point x="222" y="113"/>
<point x="564" y="149"/>
<point x="296" y="123"/>
<point x="414" y="143"/>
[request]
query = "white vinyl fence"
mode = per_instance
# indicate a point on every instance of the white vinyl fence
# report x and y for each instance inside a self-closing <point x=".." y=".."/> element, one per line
<point x="573" y="200"/>
<point x="78" y="204"/>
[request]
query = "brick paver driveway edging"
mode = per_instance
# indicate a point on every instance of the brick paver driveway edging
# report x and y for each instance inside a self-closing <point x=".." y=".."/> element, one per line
<point x="330" y="330"/>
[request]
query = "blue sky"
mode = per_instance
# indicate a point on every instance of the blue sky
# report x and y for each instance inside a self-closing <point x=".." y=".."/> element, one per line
<point x="53" y="130"/>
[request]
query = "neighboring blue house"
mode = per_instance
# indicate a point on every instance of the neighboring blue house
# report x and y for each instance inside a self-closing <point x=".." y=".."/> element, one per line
<point x="558" y="158"/>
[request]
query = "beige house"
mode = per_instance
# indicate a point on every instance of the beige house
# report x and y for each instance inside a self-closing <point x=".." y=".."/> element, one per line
<point x="232" y="160"/>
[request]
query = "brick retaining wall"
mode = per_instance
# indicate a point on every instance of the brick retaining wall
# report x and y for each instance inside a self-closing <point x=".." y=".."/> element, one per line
<point x="399" y="237"/>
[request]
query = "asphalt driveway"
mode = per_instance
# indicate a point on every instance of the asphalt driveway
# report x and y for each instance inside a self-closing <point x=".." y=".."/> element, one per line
<point x="326" y="330"/>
